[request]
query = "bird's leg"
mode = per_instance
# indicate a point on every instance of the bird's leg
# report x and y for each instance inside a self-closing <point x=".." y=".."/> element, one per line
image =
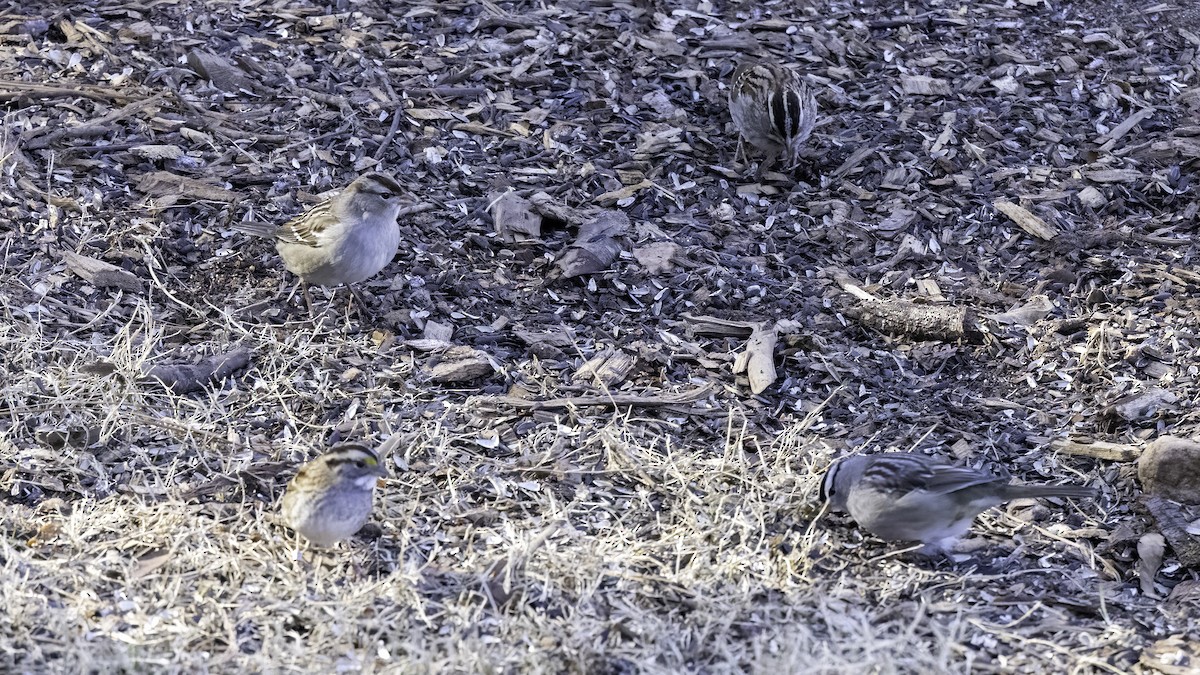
<point x="362" y="304"/>
<point x="740" y="151"/>
<point x="307" y="298"/>
<point x="767" y="162"/>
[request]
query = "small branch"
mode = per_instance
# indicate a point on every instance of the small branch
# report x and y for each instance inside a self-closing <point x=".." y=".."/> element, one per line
<point x="614" y="400"/>
<point x="919" y="322"/>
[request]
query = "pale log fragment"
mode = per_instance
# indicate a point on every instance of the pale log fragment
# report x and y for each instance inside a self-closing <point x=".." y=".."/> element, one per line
<point x="1114" y="175"/>
<point x="613" y="400"/>
<point x="1025" y="220"/>
<point x="1113" y="452"/>
<point x="919" y="322"/>
<point x="924" y="85"/>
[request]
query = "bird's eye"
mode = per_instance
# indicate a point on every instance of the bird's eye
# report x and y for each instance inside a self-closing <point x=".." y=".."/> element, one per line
<point x="360" y="464"/>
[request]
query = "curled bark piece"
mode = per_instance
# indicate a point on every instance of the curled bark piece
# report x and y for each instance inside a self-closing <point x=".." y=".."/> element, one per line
<point x="1173" y="520"/>
<point x="596" y="246"/>
<point x="607" y="368"/>
<point x="1150" y="554"/>
<point x="462" y="364"/>
<point x="185" y="378"/>
<point x="758" y="361"/>
<point x="1139" y="407"/>
<point x="513" y="219"/>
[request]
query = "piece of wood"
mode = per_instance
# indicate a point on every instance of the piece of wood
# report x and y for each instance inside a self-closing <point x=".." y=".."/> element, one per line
<point x="1112" y="452"/>
<point x="614" y="400"/>
<point x="102" y="274"/>
<point x="608" y="368"/>
<point x="1025" y="220"/>
<point x="42" y="137"/>
<point x="513" y="218"/>
<point x="596" y="246"/>
<point x="1109" y="141"/>
<point x="462" y="364"/>
<point x="919" y="322"/>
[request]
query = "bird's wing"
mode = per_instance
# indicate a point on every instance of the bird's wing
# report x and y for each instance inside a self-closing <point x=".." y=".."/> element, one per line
<point x="307" y="228"/>
<point x="944" y="479"/>
<point x="901" y="473"/>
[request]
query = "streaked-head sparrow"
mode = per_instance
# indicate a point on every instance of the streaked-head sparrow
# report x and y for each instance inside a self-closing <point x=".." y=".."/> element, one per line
<point x="912" y="497"/>
<point x="344" y="240"/>
<point x="773" y="110"/>
<point x="330" y="498"/>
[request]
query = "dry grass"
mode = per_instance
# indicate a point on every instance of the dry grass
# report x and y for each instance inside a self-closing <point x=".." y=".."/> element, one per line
<point x="138" y="531"/>
<point x="592" y="544"/>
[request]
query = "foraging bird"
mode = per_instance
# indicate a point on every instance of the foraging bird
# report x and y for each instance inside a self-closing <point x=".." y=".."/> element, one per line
<point x="911" y="497"/>
<point x="773" y="109"/>
<point x="344" y="240"/>
<point x="330" y="498"/>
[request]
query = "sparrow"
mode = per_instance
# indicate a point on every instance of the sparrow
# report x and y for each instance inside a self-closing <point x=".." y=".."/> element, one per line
<point x="330" y="498"/>
<point x="343" y="240"/>
<point x="912" y="497"/>
<point x="772" y="109"/>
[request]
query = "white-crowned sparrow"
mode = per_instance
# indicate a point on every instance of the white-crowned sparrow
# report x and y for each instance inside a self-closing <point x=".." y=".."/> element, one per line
<point x="911" y="497"/>
<point x="330" y="498"/>
<point x="344" y="240"/>
<point x="773" y="110"/>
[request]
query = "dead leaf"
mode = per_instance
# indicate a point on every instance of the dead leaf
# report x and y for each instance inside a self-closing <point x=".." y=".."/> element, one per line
<point x="658" y="257"/>
<point x="596" y="246"/>
<point x="222" y="73"/>
<point x="758" y="361"/>
<point x="513" y="218"/>
<point x="149" y="562"/>
<point x="1038" y="308"/>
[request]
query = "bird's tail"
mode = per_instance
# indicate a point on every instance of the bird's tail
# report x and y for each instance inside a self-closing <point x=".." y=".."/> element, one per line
<point x="256" y="228"/>
<point x="1075" y="491"/>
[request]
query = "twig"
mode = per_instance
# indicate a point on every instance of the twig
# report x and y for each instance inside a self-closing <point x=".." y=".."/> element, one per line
<point x="39" y="138"/>
<point x="613" y="400"/>
<point x="49" y="91"/>
<point x="387" y="140"/>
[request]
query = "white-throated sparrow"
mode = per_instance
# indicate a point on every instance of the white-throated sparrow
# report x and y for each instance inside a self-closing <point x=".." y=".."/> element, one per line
<point x="330" y="498"/>
<point x="344" y="240"/>
<point x="773" y="109"/>
<point x="911" y="497"/>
